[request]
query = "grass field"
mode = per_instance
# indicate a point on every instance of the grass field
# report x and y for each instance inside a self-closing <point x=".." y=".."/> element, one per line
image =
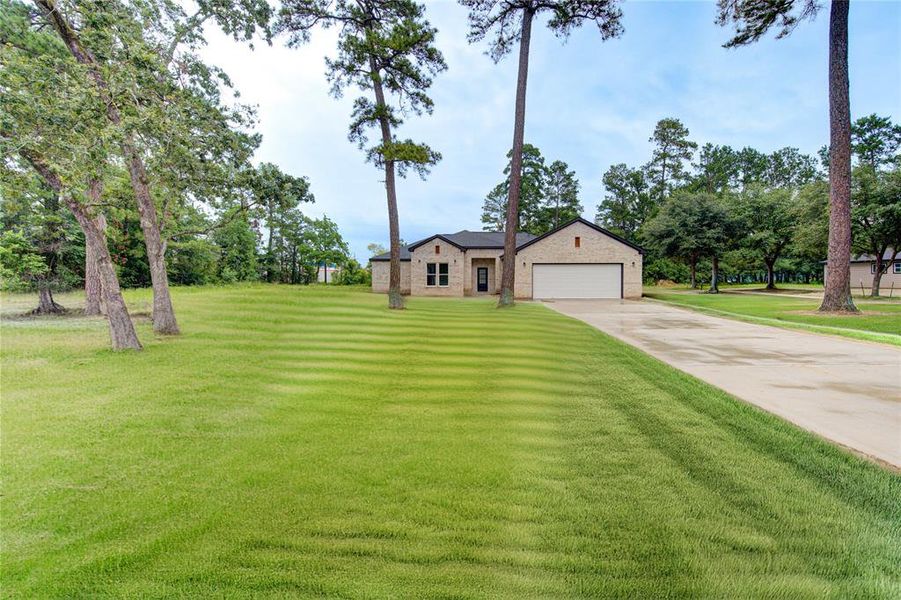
<point x="308" y="442"/>
<point x="879" y="320"/>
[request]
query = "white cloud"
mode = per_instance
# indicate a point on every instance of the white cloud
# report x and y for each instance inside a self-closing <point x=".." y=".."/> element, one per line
<point x="590" y="103"/>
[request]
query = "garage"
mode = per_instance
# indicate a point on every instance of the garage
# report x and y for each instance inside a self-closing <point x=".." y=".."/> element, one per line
<point x="577" y="280"/>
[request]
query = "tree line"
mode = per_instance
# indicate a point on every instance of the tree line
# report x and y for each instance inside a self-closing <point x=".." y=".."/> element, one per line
<point x="748" y="213"/>
<point x="107" y="100"/>
<point x="509" y="23"/>
<point x="126" y="159"/>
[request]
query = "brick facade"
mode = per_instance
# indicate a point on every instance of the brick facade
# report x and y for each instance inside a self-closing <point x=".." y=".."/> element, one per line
<point x="557" y="247"/>
<point x="380" y="273"/>
<point x="594" y="247"/>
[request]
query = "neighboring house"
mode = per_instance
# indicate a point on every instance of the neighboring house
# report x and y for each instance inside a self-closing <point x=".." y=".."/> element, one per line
<point x="327" y="273"/>
<point x="863" y="267"/>
<point x="576" y="260"/>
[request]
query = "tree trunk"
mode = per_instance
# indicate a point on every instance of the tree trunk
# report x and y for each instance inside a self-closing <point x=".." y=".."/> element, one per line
<point x="122" y="331"/>
<point x="163" y="313"/>
<point x="395" y="298"/>
<point x="93" y="304"/>
<point x="770" y="275"/>
<point x="46" y="304"/>
<point x="714" y="276"/>
<point x="837" y="296"/>
<point x="882" y="267"/>
<point x="693" y="268"/>
<point x="270" y="260"/>
<point x="508" y="273"/>
<point x="877" y="276"/>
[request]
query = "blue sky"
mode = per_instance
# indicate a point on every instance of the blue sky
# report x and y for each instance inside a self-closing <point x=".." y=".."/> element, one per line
<point x="590" y="103"/>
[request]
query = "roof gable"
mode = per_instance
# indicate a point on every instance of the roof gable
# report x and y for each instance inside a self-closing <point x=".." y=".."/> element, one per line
<point x="438" y="236"/>
<point x="587" y="223"/>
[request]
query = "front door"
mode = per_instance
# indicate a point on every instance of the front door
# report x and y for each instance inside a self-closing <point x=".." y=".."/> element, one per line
<point x="482" y="279"/>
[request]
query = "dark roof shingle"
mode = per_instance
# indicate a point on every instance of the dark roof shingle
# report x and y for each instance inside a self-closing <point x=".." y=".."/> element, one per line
<point x="465" y="240"/>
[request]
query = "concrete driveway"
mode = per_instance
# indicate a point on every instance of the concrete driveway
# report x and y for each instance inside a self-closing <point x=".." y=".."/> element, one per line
<point x="841" y="389"/>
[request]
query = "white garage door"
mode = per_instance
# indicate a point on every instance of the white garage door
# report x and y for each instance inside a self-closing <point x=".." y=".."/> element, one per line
<point x="577" y="281"/>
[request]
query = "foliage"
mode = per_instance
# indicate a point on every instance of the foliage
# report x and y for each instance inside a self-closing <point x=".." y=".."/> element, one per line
<point x="811" y="216"/>
<point x="691" y="226"/>
<point x="20" y="262"/>
<point x="875" y="140"/>
<point x="753" y="18"/>
<point x="238" y="250"/>
<point x="716" y="169"/>
<point x="549" y="195"/>
<point x="381" y="43"/>
<point x="352" y="273"/>
<point x="767" y="221"/>
<point x="533" y="193"/>
<point x="194" y="262"/>
<point x="672" y="149"/>
<point x="30" y="208"/>
<point x="561" y="197"/>
<point x="627" y="204"/>
<point x="375" y="249"/>
<point x="876" y="210"/>
<point x="502" y="21"/>
<point x="278" y="196"/>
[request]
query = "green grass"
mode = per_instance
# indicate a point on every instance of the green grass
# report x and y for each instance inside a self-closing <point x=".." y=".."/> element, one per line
<point x="879" y="320"/>
<point x="309" y="442"/>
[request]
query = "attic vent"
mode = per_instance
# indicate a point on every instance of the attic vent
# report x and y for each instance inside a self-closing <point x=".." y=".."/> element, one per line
<point x="578" y="242"/>
<point x="437" y="249"/>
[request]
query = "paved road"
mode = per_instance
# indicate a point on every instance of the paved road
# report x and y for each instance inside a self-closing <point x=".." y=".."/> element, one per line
<point x="844" y="390"/>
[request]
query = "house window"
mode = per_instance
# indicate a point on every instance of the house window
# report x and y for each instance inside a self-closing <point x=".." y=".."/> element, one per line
<point x="578" y="242"/>
<point x="873" y="268"/>
<point x="896" y="268"/>
<point x="436" y="274"/>
<point x="437" y="249"/>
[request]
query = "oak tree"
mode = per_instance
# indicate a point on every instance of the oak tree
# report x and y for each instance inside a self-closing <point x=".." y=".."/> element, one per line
<point x="753" y="19"/>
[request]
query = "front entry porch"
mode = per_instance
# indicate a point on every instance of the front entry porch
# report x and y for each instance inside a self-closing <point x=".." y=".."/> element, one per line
<point x="482" y="276"/>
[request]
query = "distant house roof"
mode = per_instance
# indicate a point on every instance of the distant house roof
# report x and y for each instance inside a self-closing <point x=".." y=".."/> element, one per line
<point x="464" y="240"/>
<point x="865" y="258"/>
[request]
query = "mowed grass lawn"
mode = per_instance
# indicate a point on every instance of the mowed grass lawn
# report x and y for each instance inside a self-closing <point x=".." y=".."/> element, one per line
<point x="309" y="442"/>
<point x="879" y="320"/>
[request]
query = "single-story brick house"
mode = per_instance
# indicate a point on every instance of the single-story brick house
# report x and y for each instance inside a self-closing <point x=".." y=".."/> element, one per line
<point x="863" y="267"/>
<point x="577" y="260"/>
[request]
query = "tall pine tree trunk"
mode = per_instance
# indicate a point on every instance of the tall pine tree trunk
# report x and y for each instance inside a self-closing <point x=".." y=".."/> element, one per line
<point x="714" y="276"/>
<point x="508" y="273"/>
<point x="693" y="270"/>
<point x="93" y="287"/>
<point x="395" y="298"/>
<point x="163" y="314"/>
<point x="837" y="295"/>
